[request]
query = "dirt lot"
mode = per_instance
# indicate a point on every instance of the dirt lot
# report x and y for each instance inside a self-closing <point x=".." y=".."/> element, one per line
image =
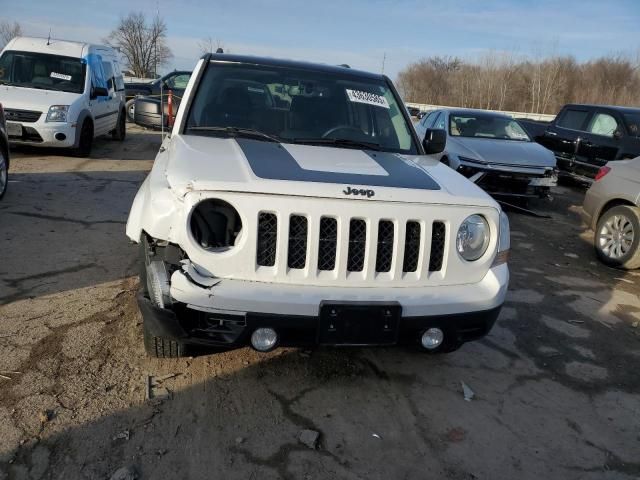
<point x="556" y="382"/>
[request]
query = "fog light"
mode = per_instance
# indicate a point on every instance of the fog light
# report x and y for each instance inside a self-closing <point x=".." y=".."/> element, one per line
<point x="264" y="339"/>
<point x="432" y="338"/>
<point x="61" y="137"/>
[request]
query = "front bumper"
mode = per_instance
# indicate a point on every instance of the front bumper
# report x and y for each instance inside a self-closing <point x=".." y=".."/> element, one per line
<point x="43" y="134"/>
<point x="226" y="314"/>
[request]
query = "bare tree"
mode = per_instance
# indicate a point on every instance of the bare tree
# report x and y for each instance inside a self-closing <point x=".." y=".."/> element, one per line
<point x="210" y="45"/>
<point x="143" y="43"/>
<point x="8" y="31"/>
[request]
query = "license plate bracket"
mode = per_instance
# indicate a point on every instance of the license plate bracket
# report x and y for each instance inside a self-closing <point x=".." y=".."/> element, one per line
<point x="359" y="323"/>
<point x="14" y="129"/>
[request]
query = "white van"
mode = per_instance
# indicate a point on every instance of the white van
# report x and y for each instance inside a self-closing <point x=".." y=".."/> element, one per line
<point x="58" y="93"/>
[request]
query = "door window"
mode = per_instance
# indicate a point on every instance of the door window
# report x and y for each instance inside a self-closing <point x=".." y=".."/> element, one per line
<point x="440" y="122"/>
<point x="429" y="118"/>
<point x="573" y="119"/>
<point x="108" y="73"/>
<point x="178" y="82"/>
<point x="603" y="124"/>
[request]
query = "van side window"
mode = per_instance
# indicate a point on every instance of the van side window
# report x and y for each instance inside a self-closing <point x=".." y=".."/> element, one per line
<point x="108" y="72"/>
<point x="573" y="119"/>
<point x="119" y="79"/>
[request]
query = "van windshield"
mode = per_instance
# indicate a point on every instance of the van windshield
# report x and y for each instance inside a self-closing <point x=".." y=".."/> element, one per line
<point x="43" y="71"/>
<point x="296" y="105"/>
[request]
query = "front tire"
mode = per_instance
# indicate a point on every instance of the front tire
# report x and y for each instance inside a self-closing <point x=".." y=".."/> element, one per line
<point x="85" y="142"/>
<point x="120" y="132"/>
<point x="4" y="175"/>
<point x="158" y="347"/>
<point x="617" y="237"/>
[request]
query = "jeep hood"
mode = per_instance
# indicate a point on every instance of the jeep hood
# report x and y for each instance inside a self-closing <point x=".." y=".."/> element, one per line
<point x="203" y="163"/>
<point x="23" y="98"/>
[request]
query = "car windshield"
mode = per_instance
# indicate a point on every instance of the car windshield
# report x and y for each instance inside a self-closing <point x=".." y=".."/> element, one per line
<point x="295" y="105"/>
<point x="633" y="123"/>
<point x="43" y="71"/>
<point x="486" y="126"/>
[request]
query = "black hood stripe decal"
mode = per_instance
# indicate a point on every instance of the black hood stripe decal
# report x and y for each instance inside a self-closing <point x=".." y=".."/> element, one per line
<point x="270" y="160"/>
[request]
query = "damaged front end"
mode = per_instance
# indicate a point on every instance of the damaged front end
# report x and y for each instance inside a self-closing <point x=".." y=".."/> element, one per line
<point x="501" y="180"/>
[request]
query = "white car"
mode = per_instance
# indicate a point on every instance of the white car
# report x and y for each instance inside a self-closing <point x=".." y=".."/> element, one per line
<point x="57" y="93"/>
<point x="495" y="151"/>
<point x="306" y="212"/>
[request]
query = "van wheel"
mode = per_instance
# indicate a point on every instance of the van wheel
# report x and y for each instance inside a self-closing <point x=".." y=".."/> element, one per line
<point x="617" y="237"/>
<point x="85" y="142"/>
<point x="120" y="132"/>
<point x="4" y="175"/>
<point x="130" y="108"/>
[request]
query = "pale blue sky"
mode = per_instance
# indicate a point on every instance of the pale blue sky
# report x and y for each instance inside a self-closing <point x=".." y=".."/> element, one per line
<point x="356" y="32"/>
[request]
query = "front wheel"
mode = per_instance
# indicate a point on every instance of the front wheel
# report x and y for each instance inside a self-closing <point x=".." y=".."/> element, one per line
<point x="4" y="175"/>
<point x="617" y="237"/>
<point x="85" y="142"/>
<point x="120" y="132"/>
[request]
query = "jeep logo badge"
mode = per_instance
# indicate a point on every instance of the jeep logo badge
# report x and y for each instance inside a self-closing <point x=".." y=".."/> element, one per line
<point x="359" y="192"/>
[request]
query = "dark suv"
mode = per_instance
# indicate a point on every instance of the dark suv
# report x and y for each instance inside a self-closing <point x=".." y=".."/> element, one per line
<point x="585" y="137"/>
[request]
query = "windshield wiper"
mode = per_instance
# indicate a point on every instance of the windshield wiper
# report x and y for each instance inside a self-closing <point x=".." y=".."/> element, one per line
<point x="238" y="132"/>
<point x="340" y="142"/>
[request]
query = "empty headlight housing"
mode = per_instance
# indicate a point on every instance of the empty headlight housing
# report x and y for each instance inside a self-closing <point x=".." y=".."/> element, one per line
<point x="57" y="113"/>
<point x="472" y="239"/>
<point x="215" y="225"/>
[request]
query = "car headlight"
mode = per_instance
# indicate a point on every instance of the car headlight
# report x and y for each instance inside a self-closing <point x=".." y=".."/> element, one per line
<point x="57" y="113"/>
<point x="473" y="238"/>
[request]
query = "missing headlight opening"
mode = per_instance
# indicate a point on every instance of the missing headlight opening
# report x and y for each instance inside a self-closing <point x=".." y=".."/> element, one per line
<point x="215" y="224"/>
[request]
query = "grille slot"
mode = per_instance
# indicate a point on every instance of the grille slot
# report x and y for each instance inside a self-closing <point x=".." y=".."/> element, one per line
<point x="357" y="245"/>
<point x="437" y="246"/>
<point x="297" y="253"/>
<point x="384" y="255"/>
<point x="327" y="244"/>
<point x="16" y="115"/>
<point x="411" y="247"/>
<point x="267" y="239"/>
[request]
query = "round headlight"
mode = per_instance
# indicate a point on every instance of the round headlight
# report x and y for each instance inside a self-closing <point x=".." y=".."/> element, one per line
<point x="473" y="238"/>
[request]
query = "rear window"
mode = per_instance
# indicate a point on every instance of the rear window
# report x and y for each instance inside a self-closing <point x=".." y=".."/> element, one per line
<point x="573" y="119"/>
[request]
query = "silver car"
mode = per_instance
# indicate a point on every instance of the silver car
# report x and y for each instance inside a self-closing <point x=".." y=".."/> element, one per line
<point x="494" y="151"/>
<point x="611" y="209"/>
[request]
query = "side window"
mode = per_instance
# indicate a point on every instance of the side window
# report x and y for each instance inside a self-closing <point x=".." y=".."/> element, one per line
<point x="603" y="124"/>
<point x="108" y="72"/>
<point x="573" y="119"/>
<point x="440" y="122"/>
<point x="428" y="118"/>
<point x="119" y="79"/>
<point x="179" y="82"/>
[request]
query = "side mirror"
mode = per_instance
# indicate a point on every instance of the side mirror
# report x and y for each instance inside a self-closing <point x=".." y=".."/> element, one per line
<point x="434" y="141"/>
<point x="617" y="134"/>
<point x="148" y="113"/>
<point x="99" y="92"/>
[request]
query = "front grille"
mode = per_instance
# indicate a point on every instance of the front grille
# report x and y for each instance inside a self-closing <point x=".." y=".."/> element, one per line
<point x="327" y="244"/>
<point x="357" y="245"/>
<point x="411" y="247"/>
<point x="437" y="247"/>
<point x="27" y="116"/>
<point x="297" y="256"/>
<point x="267" y="239"/>
<point x="384" y="256"/>
<point x="345" y="244"/>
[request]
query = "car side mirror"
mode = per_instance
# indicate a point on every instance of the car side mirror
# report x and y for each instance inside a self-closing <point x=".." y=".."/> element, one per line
<point x="617" y="134"/>
<point x="99" y="92"/>
<point x="434" y="141"/>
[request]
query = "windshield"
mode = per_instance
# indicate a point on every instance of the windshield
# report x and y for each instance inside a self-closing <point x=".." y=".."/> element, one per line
<point x="42" y="70"/>
<point x="633" y="123"/>
<point x="299" y="106"/>
<point x="486" y="126"/>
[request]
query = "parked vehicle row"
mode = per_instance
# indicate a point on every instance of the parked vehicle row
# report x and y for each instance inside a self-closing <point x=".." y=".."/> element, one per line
<point x="61" y="94"/>
<point x="586" y="137"/>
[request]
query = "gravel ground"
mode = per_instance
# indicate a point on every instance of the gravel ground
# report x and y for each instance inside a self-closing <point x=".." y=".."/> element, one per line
<point x="556" y="382"/>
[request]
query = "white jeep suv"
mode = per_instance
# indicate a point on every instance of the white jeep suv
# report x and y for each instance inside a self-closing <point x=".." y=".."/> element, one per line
<point x="294" y="205"/>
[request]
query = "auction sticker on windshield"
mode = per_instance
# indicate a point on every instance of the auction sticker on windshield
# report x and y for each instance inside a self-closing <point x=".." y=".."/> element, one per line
<point x="60" y="76"/>
<point x="368" y="98"/>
